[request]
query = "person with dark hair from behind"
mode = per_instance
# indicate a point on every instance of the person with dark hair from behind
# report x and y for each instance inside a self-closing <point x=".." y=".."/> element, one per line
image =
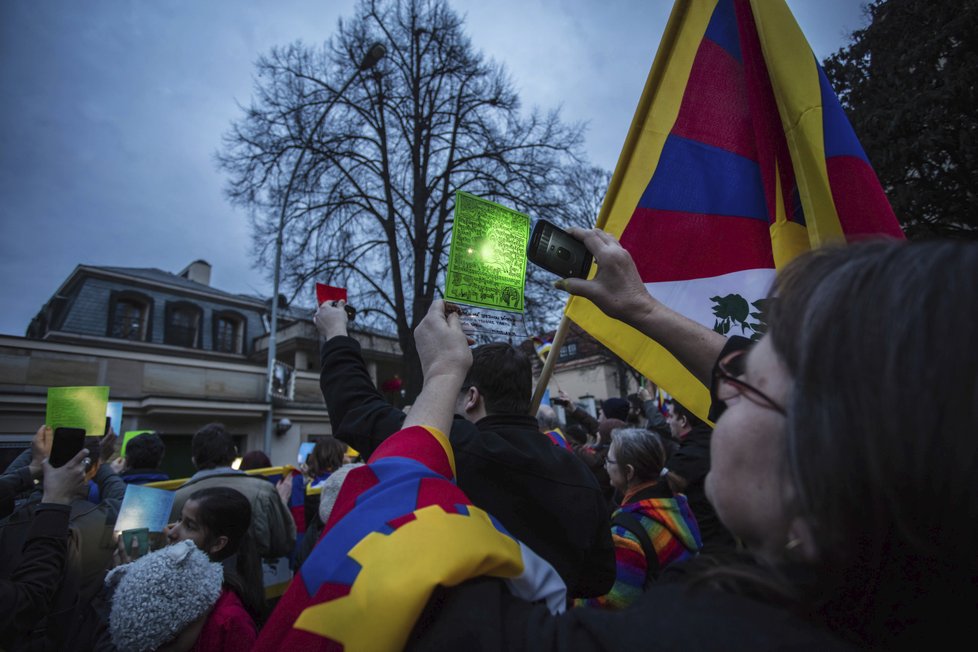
<point x="217" y="519"/>
<point x="254" y="460"/>
<point x="542" y="494"/>
<point x="688" y="467"/>
<point x="27" y="594"/>
<point x="272" y="527"/>
<point x="326" y="458"/>
<point x="652" y="528"/>
<point x="144" y="454"/>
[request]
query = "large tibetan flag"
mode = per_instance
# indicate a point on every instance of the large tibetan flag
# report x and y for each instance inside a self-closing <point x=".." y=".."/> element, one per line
<point x="399" y="528"/>
<point x="739" y="157"/>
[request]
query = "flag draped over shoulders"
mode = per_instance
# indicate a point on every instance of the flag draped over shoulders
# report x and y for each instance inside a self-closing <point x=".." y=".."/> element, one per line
<point x="739" y="158"/>
<point x="399" y="528"/>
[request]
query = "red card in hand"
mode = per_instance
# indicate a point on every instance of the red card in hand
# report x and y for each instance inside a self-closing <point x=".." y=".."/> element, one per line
<point x="326" y="293"/>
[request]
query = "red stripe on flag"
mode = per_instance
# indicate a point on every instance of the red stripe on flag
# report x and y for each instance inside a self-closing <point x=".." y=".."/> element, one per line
<point x="714" y="108"/>
<point x="859" y="200"/>
<point x="674" y="246"/>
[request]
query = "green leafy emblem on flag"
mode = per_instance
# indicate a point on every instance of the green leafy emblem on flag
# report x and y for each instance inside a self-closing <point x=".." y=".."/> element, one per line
<point x="734" y="309"/>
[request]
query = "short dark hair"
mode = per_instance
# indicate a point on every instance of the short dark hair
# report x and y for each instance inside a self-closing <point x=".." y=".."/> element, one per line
<point x="681" y="410"/>
<point x="503" y="375"/>
<point x="212" y="446"/>
<point x="254" y="460"/>
<point x="326" y="456"/>
<point x="576" y="434"/>
<point x="223" y="511"/>
<point x="145" y="451"/>
<point x="615" y="408"/>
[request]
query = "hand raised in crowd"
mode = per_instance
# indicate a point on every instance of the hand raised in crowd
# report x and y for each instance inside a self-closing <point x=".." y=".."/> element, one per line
<point x="561" y="399"/>
<point x="107" y="446"/>
<point x="62" y="484"/>
<point x="40" y="449"/>
<point x="443" y="346"/>
<point x="445" y="359"/>
<point x="119" y="465"/>
<point x="616" y="288"/>
<point x="331" y="319"/>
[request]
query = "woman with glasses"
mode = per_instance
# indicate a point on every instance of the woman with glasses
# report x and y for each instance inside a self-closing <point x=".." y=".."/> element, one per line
<point x="653" y="528"/>
<point x="845" y="459"/>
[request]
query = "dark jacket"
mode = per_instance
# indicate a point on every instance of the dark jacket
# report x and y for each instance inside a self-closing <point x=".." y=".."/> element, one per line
<point x="483" y="615"/>
<point x="541" y="493"/>
<point x="692" y="463"/>
<point x="27" y="594"/>
<point x="89" y="550"/>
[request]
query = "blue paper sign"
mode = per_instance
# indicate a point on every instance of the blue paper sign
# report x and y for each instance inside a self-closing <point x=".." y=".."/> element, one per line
<point x="145" y="507"/>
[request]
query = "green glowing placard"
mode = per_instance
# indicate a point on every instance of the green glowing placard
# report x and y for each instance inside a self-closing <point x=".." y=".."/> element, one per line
<point x="487" y="261"/>
<point x="78" y="407"/>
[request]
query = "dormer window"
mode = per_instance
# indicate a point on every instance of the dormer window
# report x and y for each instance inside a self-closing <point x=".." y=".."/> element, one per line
<point x="229" y="332"/>
<point x="182" y="324"/>
<point x="129" y="316"/>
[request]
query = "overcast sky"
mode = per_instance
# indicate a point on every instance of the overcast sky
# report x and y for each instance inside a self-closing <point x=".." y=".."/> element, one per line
<point x="113" y="111"/>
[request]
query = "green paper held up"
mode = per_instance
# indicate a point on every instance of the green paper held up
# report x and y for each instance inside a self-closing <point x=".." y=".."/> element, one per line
<point x="487" y="260"/>
<point x="78" y="407"/>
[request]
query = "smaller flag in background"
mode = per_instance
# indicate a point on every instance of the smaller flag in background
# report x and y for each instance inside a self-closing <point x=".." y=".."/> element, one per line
<point x="542" y="346"/>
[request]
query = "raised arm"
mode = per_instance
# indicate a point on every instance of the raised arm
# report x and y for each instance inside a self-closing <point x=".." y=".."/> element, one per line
<point x="618" y="291"/>
<point x="445" y="359"/>
<point x="359" y="415"/>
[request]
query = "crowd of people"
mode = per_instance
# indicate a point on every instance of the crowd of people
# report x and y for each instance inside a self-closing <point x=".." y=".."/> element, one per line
<point x="827" y="503"/>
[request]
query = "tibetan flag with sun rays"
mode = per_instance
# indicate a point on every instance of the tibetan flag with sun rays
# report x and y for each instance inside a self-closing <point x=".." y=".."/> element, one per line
<point x="739" y="158"/>
<point x="400" y="527"/>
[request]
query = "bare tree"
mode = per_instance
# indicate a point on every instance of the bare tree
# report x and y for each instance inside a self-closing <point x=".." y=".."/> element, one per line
<point x="372" y="199"/>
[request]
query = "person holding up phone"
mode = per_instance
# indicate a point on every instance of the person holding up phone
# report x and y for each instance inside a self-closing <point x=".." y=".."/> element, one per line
<point x="26" y="595"/>
<point x="90" y="545"/>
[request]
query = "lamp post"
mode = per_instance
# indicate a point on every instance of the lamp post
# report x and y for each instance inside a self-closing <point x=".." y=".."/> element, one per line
<point x="370" y="59"/>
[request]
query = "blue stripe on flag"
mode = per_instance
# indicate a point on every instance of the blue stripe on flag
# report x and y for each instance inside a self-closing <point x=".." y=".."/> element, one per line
<point x="840" y="139"/>
<point x="695" y="178"/>
<point x="722" y="29"/>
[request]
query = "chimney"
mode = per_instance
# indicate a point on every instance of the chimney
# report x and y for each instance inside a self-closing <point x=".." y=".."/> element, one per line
<point x="198" y="271"/>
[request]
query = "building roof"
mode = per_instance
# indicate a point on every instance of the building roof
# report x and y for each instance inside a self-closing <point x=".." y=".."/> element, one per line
<point x="155" y="275"/>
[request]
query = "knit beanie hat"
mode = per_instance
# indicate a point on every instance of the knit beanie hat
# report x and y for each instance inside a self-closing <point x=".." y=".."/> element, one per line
<point x="157" y="596"/>
<point x="615" y="408"/>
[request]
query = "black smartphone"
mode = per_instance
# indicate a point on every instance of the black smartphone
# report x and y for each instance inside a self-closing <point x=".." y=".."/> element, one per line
<point x="66" y="444"/>
<point x="557" y="251"/>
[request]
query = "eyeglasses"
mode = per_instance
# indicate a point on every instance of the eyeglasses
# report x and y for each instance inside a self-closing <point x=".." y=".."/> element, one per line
<point x="728" y="380"/>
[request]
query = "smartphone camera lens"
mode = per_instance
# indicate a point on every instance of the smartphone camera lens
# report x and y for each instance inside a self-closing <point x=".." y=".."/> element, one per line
<point x="563" y="254"/>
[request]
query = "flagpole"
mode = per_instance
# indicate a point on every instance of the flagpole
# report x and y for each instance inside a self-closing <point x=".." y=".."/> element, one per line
<point x="548" y="366"/>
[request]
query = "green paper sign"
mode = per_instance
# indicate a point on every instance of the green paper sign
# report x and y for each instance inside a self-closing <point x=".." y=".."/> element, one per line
<point x="487" y="260"/>
<point x="129" y="435"/>
<point x="78" y="407"/>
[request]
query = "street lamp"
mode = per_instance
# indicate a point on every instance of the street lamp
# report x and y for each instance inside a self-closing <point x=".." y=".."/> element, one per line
<point x="370" y="59"/>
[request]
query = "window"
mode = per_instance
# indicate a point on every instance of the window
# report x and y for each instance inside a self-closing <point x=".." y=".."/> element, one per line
<point x="129" y="316"/>
<point x="229" y="332"/>
<point x="182" y="325"/>
<point x="568" y="351"/>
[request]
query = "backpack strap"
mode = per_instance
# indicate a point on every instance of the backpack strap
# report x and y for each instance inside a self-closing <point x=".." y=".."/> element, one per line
<point x="628" y="521"/>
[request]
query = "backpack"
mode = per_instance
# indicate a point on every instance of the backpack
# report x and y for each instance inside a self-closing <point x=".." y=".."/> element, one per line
<point x="628" y="521"/>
